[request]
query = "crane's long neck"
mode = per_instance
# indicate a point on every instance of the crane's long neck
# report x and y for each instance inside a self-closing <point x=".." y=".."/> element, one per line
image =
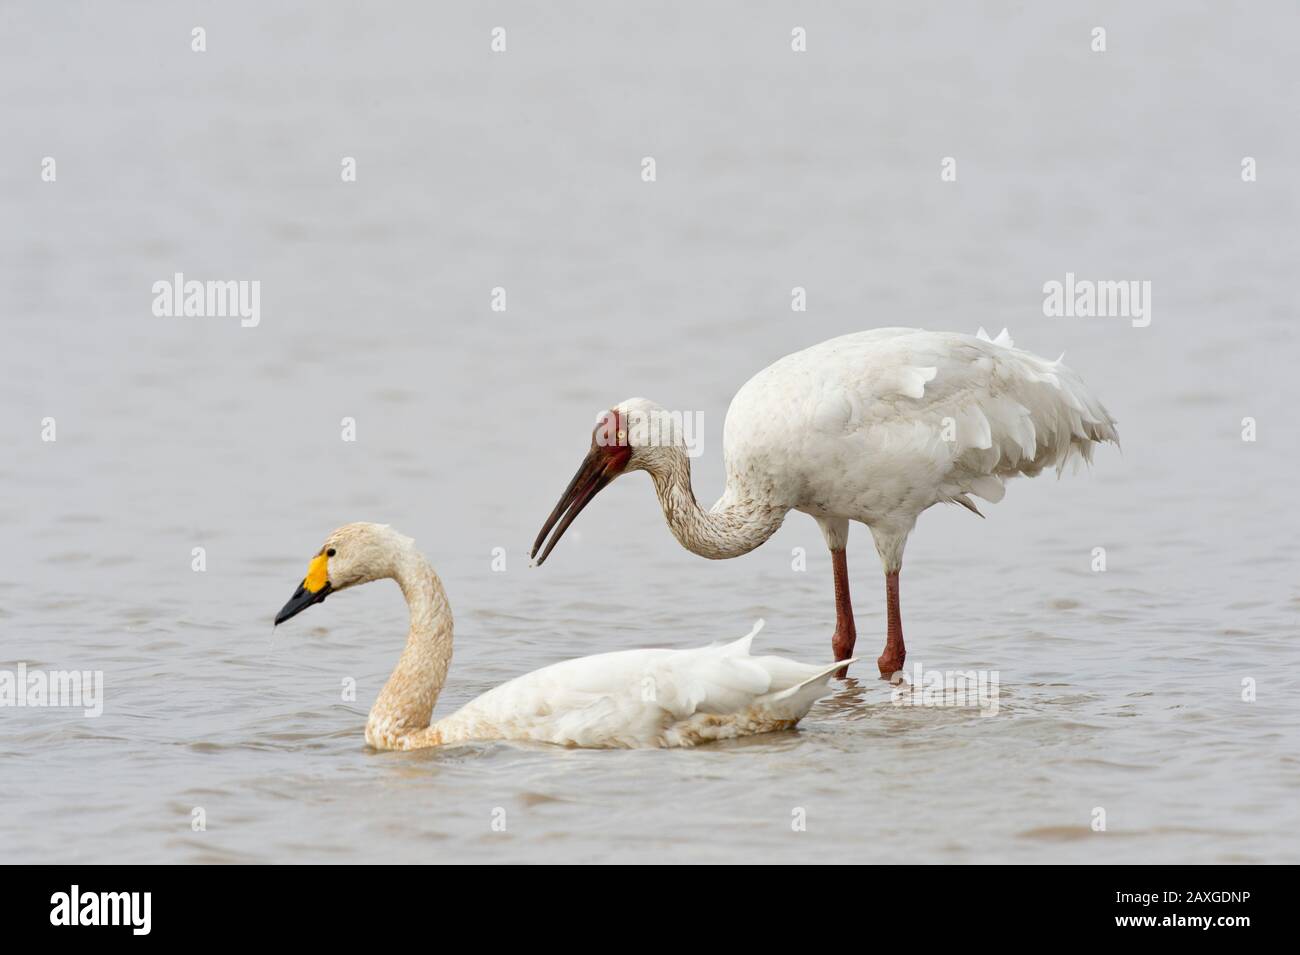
<point x="735" y="525"/>
<point x="400" y="717"/>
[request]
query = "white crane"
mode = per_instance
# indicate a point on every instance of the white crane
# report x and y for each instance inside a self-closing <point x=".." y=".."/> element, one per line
<point x="873" y="427"/>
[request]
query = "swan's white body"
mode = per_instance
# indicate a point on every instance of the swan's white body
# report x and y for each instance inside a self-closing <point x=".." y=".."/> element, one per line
<point x="645" y="698"/>
<point x="631" y="698"/>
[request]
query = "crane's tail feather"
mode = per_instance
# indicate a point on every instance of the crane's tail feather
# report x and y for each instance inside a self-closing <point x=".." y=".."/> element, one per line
<point x="1036" y="414"/>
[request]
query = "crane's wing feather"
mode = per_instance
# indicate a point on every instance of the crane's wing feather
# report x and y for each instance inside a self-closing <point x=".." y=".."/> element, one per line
<point x="992" y="411"/>
<point x="954" y="413"/>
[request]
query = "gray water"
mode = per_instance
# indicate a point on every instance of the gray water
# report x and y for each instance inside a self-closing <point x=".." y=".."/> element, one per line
<point x="1120" y="690"/>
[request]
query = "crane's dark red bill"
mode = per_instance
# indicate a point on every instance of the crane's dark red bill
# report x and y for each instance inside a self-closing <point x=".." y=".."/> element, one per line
<point x="599" y="467"/>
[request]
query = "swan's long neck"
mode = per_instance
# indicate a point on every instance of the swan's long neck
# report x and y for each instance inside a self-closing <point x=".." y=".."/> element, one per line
<point x="400" y="717"/>
<point x="735" y="525"/>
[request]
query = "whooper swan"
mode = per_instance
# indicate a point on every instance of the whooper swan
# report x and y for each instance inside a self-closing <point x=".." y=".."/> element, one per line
<point x="629" y="698"/>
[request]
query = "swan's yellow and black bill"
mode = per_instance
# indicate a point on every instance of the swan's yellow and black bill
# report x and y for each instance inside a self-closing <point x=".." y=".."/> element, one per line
<point x="314" y="588"/>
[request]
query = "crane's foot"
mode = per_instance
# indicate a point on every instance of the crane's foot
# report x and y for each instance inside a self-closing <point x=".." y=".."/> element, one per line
<point x="891" y="662"/>
<point x="842" y="646"/>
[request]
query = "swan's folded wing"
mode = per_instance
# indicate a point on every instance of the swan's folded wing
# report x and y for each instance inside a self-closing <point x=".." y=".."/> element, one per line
<point x="723" y="679"/>
<point x="629" y="697"/>
<point x="680" y="681"/>
<point x="642" y="695"/>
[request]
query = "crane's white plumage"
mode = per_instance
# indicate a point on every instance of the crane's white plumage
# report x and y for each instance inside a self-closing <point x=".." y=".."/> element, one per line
<point x="877" y="426"/>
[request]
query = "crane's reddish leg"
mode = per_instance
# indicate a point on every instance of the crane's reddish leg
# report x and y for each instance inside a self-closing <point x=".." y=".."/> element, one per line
<point x="891" y="661"/>
<point x="845" y="632"/>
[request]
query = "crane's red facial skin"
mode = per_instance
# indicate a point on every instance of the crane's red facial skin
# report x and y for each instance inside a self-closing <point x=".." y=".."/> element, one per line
<point x="608" y="458"/>
<point x="610" y="439"/>
<point x="609" y="430"/>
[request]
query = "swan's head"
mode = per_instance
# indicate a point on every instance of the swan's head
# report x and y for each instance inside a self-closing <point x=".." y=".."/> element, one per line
<point x="634" y="435"/>
<point x="354" y="554"/>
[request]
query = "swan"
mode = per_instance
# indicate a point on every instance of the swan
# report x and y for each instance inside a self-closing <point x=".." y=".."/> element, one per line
<point x="624" y="699"/>
<point x="873" y="427"/>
